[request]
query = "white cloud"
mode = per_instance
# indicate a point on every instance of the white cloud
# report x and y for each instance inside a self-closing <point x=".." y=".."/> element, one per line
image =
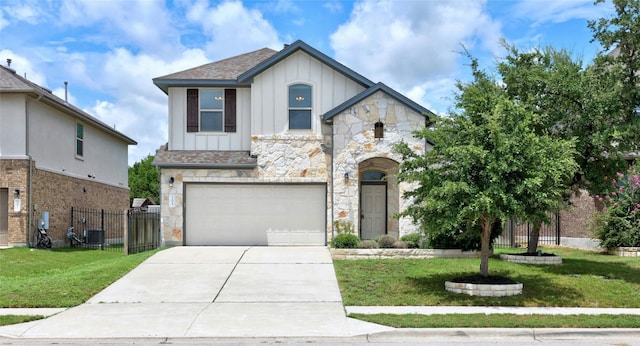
<point x="407" y="45"/>
<point x="145" y="25"/>
<point x="233" y="29"/>
<point x="544" y="11"/>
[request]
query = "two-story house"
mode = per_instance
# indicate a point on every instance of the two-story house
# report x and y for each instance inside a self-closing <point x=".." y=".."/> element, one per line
<point x="271" y="147"/>
<point x="53" y="156"/>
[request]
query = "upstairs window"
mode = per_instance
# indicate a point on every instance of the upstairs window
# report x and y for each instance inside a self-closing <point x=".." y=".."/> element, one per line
<point x="79" y="140"/>
<point x="211" y="110"/>
<point x="300" y="107"/>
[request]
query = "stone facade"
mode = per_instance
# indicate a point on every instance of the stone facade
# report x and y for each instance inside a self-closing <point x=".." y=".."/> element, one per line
<point x="56" y="193"/>
<point x="354" y="143"/>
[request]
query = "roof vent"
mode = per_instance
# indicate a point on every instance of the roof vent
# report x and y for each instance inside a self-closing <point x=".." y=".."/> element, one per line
<point x="9" y="62"/>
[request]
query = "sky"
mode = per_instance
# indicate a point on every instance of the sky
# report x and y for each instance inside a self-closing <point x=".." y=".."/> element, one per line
<point x="110" y="50"/>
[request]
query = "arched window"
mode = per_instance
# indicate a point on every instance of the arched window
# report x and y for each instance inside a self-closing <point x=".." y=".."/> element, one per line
<point x="378" y="130"/>
<point x="372" y="176"/>
<point x="300" y="107"/>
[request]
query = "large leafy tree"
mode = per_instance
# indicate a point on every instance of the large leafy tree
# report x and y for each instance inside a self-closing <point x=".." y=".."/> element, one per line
<point x="618" y="67"/>
<point x="596" y="105"/>
<point x="488" y="163"/>
<point x="144" y="180"/>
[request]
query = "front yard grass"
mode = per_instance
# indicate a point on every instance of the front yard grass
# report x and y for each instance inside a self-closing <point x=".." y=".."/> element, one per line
<point x="503" y="321"/>
<point x="58" y="278"/>
<point x="585" y="279"/>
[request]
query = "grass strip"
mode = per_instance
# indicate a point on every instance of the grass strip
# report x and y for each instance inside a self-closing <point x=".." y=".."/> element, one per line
<point x="14" y="319"/>
<point x="502" y="321"/>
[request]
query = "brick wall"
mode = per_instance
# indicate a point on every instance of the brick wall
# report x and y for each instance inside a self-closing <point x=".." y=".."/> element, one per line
<point x="57" y="194"/>
<point x="576" y="221"/>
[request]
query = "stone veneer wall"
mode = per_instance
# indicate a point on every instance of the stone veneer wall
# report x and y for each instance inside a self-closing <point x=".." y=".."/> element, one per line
<point x="281" y="159"/>
<point x="354" y="143"/>
<point x="57" y="194"/>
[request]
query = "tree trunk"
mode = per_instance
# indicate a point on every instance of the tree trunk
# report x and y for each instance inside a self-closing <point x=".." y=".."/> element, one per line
<point x="485" y="243"/>
<point x="534" y="236"/>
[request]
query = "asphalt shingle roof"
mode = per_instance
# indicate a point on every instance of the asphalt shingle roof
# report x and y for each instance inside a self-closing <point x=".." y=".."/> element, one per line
<point x="227" y="69"/>
<point x="237" y="159"/>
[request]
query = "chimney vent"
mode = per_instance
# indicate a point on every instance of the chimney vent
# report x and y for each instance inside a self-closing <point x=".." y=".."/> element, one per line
<point x="65" y="91"/>
<point x="9" y="62"/>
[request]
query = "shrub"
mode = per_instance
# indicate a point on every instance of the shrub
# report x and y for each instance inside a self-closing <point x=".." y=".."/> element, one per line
<point x="386" y="241"/>
<point x="618" y="224"/>
<point x="345" y="241"/>
<point x="466" y="237"/>
<point x="368" y="244"/>
<point x="413" y="240"/>
<point x="343" y="226"/>
<point x="400" y="245"/>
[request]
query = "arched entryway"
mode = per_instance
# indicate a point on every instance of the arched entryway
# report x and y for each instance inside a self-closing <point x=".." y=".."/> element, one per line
<point x="379" y="197"/>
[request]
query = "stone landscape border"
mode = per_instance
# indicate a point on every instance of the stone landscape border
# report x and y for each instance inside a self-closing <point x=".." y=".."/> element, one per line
<point x="540" y="260"/>
<point x="625" y="251"/>
<point x="353" y="254"/>
<point x="484" y="290"/>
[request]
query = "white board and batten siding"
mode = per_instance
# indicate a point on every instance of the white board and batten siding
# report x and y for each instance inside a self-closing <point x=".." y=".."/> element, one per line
<point x="269" y="93"/>
<point x="255" y="214"/>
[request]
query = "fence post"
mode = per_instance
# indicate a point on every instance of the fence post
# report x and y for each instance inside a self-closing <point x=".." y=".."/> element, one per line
<point x="558" y="228"/>
<point x="126" y="233"/>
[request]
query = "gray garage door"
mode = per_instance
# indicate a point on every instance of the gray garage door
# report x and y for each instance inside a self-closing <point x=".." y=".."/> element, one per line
<point x="249" y="214"/>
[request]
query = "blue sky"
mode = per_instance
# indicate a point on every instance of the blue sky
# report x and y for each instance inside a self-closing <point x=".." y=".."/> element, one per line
<point x="109" y="50"/>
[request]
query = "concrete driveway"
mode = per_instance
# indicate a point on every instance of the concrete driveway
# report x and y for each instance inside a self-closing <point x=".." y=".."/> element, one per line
<point x="213" y="292"/>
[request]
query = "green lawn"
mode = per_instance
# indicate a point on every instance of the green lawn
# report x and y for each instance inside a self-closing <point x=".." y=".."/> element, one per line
<point x="503" y="321"/>
<point x="585" y="279"/>
<point x="31" y="278"/>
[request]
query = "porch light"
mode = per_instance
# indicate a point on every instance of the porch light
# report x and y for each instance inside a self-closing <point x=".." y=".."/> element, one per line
<point x="346" y="177"/>
<point x="16" y="193"/>
<point x="171" y="180"/>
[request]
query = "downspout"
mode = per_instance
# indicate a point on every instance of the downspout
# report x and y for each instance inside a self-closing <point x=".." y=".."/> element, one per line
<point x="30" y="175"/>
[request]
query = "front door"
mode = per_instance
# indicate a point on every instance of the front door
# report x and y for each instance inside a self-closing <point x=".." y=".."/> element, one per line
<point x="373" y="210"/>
<point x="4" y="217"/>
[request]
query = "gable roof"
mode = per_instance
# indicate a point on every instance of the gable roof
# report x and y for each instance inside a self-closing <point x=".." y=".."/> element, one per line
<point x="370" y="91"/>
<point x="11" y="82"/>
<point x="220" y="73"/>
<point x="247" y="77"/>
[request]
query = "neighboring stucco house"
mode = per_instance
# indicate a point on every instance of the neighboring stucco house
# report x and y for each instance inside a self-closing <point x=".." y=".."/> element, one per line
<point x="271" y="147"/>
<point x="53" y="156"/>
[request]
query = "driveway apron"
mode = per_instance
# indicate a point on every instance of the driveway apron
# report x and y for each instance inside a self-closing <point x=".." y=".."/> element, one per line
<point x="212" y="292"/>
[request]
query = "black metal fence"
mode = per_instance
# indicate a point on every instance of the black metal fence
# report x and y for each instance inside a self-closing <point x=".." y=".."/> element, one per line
<point x="516" y="234"/>
<point x="127" y="231"/>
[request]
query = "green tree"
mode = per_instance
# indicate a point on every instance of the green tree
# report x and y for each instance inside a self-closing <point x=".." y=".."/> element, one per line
<point x="144" y="180"/>
<point x="488" y="163"/>
<point x="618" y="68"/>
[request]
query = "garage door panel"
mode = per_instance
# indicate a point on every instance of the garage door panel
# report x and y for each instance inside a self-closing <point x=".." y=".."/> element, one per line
<point x="245" y="214"/>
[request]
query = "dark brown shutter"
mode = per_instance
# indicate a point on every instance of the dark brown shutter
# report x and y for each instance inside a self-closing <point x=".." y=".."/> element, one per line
<point x="193" y="108"/>
<point x="229" y="110"/>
